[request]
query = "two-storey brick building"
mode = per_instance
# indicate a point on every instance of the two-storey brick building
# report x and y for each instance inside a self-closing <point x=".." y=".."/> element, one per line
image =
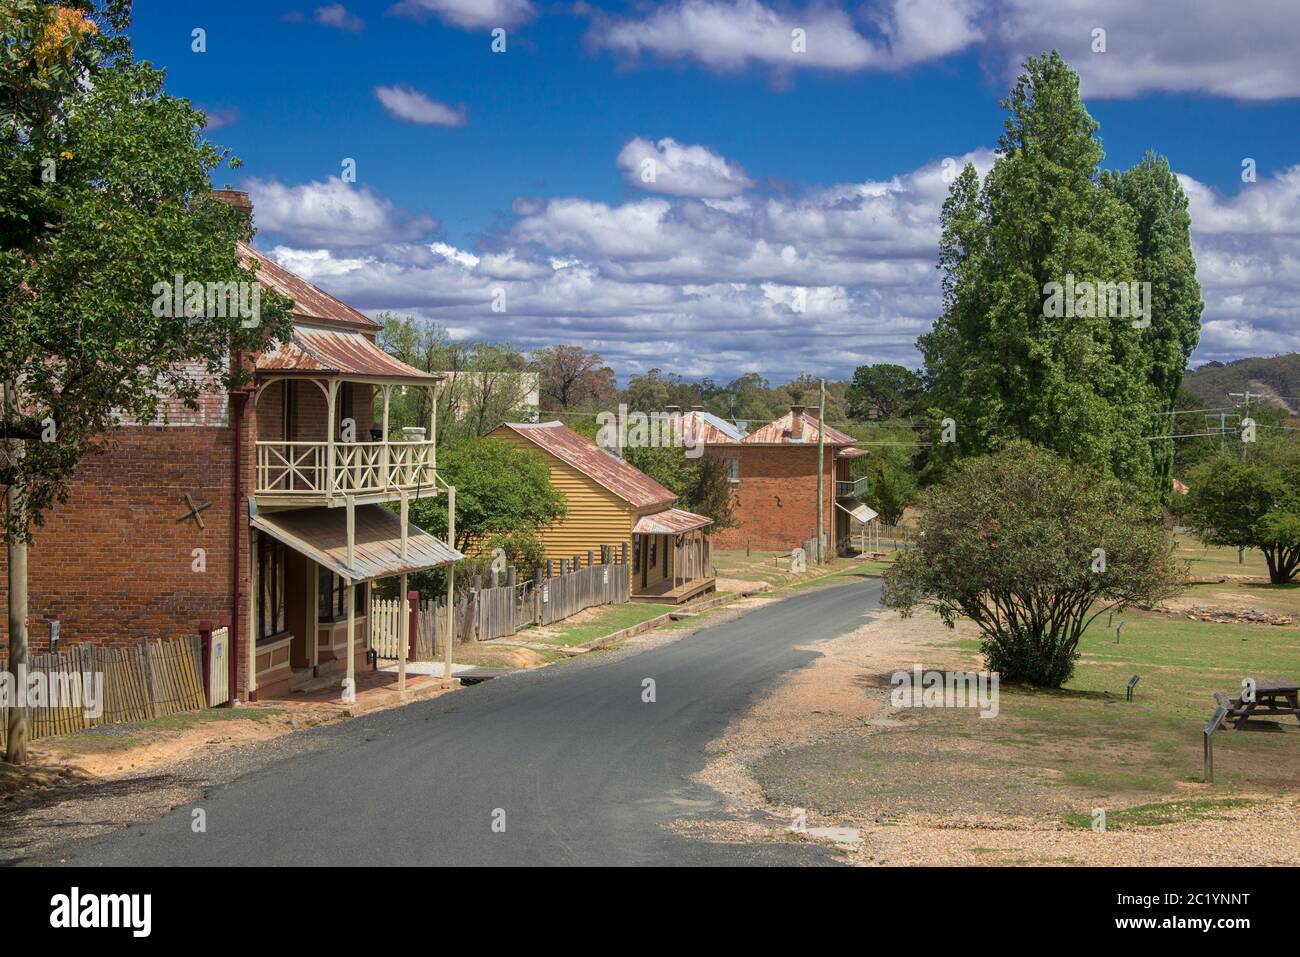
<point x="266" y="507"/>
<point x="773" y="473"/>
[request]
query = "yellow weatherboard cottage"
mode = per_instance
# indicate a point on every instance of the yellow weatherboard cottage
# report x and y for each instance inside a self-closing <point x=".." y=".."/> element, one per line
<point x="613" y="503"/>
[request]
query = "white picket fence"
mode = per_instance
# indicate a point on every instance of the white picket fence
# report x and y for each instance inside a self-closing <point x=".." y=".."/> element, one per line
<point x="386" y="635"/>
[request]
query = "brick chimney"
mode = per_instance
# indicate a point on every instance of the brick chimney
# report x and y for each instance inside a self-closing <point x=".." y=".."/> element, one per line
<point x="673" y="409"/>
<point x="796" y="422"/>
<point x="697" y="408"/>
<point x="238" y="200"/>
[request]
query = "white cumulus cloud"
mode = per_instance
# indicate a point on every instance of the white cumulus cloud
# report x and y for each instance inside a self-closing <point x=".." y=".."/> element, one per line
<point x="680" y="170"/>
<point x="332" y="213"/>
<point x="469" y="14"/>
<point x="413" y="106"/>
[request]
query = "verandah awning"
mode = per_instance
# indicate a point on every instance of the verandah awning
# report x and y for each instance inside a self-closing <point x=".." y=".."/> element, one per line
<point x="670" y="521"/>
<point x="862" y="513"/>
<point x="321" y="534"/>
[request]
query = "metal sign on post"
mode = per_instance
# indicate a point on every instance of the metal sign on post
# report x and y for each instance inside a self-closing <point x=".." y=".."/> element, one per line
<point x="1132" y="683"/>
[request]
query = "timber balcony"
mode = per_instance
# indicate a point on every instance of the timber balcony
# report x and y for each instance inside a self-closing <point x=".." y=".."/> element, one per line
<point x="323" y="473"/>
<point x="855" y="489"/>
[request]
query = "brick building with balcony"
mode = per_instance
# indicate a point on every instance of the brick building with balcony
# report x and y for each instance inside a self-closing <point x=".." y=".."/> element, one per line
<point x="773" y="473"/>
<point x="268" y="507"/>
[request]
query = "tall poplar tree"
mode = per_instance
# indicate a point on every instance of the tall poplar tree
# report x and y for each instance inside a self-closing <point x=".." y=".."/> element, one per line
<point x="1000" y="362"/>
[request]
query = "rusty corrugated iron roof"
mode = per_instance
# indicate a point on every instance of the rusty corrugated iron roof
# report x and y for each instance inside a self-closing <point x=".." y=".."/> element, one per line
<point x="321" y="533"/>
<point x="699" y="426"/>
<point x="851" y="453"/>
<point x="670" y="521"/>
<point x="626" y="481"/>
<point x="782" y="432"/>
<point x="336" y="352"/>
<point x="310" y="302"/>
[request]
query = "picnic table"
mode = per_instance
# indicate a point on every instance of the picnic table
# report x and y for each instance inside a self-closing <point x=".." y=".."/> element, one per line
<point x="1274" y="697"/>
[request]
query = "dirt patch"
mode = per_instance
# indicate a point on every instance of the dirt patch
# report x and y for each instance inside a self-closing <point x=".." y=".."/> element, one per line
<point x="741" y="585"/>
<point x="826" y="749"/>
<point x="117" y="750"/>
<point x="499" y="656"/>
<point x="1232" y="607"/>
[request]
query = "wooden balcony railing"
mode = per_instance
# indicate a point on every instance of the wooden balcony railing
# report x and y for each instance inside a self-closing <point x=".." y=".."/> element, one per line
<point x="305" y="469"/>
<point x="855" y="489"/>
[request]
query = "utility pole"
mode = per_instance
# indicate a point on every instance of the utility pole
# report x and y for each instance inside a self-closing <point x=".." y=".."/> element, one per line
<point x="1245" y="397"/>
<point x="821" y="466"/>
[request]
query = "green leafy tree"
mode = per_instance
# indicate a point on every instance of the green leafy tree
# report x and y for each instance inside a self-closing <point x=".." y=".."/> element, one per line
<point x="700" y="484"/>
<point x="501" y="488"/>
<point x="1165" y="260"/>
<point x="1032" y="549"/>
<point x="884" y="391"/>
<point x="1000" y="362"/>
<point x="1251" y="501"/>
<point x="104" y="194"/>
<point x="487" y="384"/>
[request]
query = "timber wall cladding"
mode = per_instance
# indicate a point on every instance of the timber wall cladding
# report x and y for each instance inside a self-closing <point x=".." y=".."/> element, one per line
<point x="596" y="516"/>
<point x="114" y="564"/>
<point x="775" y="501"/>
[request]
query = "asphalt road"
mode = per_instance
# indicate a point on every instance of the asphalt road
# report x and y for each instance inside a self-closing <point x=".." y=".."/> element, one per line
<point x="581" y="770"/>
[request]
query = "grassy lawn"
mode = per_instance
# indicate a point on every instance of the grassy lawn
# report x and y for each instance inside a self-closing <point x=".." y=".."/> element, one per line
<point x="1059" y="754"/>
<point x="600" y="621"/>
<point x="1104" y="745"/>
<point x="1211" y="561"/>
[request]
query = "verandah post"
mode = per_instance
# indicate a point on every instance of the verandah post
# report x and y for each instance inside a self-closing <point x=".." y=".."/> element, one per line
<point x="350" y="685"/>
<point x="407" y="621"/>
<point x="451" y="584"/>
<point x="413" y="600"/>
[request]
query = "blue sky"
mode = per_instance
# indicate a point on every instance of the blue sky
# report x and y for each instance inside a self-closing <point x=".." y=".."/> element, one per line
<point x="791" y="227"/>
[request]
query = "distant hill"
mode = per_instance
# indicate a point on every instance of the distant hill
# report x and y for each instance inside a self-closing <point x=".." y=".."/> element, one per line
<point x="1277" y="379"/>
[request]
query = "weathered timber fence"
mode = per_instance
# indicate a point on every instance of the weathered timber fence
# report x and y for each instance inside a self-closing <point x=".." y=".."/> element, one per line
<point x="498" y="611"/>
<point x="569" y="593"/>
<point x="141" y="681"/>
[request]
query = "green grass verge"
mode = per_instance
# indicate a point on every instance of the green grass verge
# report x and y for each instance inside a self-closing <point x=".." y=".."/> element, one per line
<point x="607" y="620"/>
<point x="1153" y="815"/>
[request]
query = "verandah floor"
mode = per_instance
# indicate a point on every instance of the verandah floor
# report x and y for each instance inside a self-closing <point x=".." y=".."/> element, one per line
<point x="668" y="591"/>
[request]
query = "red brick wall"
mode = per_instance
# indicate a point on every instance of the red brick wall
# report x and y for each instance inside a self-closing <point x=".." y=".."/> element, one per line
<point x="775" y="501"/>
<point x="312" y="411"/>
<point x="113" y="564"/>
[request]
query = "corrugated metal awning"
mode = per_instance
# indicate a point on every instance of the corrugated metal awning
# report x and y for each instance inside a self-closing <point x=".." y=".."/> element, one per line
<point x="330" y="352"/>
<point x="670" y="521"/>
<point x="322" y="535"/>
<point x="861" y="514"/>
